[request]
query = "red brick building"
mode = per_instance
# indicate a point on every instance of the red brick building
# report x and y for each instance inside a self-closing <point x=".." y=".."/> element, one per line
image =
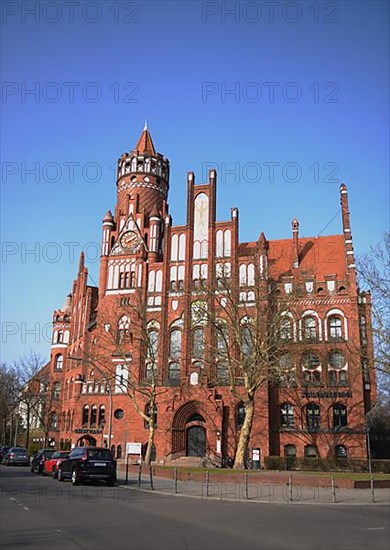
<point x="317" y="410"/>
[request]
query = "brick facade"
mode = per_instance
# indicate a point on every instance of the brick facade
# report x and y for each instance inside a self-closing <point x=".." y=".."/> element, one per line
<point x="166" y="268"/>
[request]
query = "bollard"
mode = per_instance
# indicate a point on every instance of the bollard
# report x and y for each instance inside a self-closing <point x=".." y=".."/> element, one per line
<point x="290" y="488"/>
<point x="207" y="483"/>
<point x="127" y="473"/>
<point x="151" y="477"/>
<point x="333" y="489"/>
<point x="139" y="475"/>
<point x="246" y="485"/>
<point x="175" y="479"/>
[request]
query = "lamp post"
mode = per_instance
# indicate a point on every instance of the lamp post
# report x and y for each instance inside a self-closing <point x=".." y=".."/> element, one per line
<point x="367" y="424"/>
<point x="72" y="358"/>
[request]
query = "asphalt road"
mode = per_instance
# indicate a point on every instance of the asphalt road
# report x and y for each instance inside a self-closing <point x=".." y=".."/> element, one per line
<point x="38" y="512"/>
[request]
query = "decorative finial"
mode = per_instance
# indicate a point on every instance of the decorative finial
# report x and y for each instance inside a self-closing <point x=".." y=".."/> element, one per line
<point x="146" y="124"/>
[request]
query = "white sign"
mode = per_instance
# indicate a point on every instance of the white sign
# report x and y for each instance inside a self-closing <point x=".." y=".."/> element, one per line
<point x="194" y="378"/>
<point x="256" y="454"/>
<point x="133" y="448"/>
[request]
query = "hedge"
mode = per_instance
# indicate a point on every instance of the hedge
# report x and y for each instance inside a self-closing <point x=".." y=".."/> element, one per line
<point x="325" y="464"/>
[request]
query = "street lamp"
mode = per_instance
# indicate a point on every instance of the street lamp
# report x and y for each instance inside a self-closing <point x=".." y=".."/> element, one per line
<point x="72" y="358"/>
<point x="368" y="426"/>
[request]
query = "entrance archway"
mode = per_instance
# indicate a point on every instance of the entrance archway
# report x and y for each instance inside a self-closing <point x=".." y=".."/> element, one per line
<point x="86" y="441"/>
<point x="196" y="441"/>
<point x="189" y="437"/>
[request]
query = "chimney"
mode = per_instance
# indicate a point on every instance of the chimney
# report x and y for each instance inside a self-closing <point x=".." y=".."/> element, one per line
<point x="295" y="232"/>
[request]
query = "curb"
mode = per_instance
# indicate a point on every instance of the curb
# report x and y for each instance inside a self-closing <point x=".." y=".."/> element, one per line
<point x="252" y="501"/>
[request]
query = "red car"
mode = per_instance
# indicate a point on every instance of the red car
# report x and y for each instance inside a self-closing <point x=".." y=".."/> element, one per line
<point x="51" y="464"/>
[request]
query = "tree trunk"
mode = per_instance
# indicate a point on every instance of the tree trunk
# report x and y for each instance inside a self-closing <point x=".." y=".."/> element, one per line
<point x="28" y="426"/>
<point x="243" y="441"/>
<point x="149" y="447"/>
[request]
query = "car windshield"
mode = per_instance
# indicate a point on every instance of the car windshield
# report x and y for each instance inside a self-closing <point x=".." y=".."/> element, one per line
<point x="99" y="454"/>
<point x="63" y="455"/>
<point x="48" y="454"/>
<point x="56" y="455"/>
<point x="19" y="451"/>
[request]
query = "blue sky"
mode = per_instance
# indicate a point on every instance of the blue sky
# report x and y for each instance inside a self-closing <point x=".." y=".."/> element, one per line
<point x="99" y="73"/>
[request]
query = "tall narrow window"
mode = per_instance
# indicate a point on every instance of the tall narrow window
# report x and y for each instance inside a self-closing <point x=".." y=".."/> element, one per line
<point x="286" y="415"/>
<point x="340" y="419"/>
<point x="313" y="417"/>
<point x="198" y="343"/>
<point x="85" y="415"/>
<point x="335" y="327"/>
<point x="93" y="418"/>
<point x="309" y="328"/>
<point x="102" y="415"/>
<point x="58" y="363"/>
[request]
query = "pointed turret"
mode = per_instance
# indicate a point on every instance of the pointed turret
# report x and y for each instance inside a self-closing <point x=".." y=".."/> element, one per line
<point x="81" y="262"/>
<point x="143" y="179"/>
<point x="145" y="142"/>
<point x="295" y="232"/>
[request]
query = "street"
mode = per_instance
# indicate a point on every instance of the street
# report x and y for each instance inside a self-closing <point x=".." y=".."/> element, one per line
<point x="39" y="512"/>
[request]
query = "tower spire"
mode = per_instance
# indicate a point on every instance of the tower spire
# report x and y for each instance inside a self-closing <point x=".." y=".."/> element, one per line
<point x="145" y="142"/>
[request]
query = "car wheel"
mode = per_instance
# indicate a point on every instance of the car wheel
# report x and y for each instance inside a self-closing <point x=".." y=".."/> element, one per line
<point x="60" y="475"/>
<point x="75" y="477"/>
<point x="111" y="482"/>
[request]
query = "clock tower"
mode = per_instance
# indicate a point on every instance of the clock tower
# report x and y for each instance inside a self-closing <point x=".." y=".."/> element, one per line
<point x="135" y="230"/>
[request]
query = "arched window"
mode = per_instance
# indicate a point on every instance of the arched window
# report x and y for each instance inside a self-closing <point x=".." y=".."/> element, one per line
<point x="58" y="362"/>
<point x="313" y="417"/>
<point x="286" y="370"/>
<point x="113" y="450"/>
<point x="56" y="390"/>
<point x="363" y="328"/>
<point x="102" y="415"/>
<point x="246" y="341"/>
<point x="290" y="450"/>
<point x="286" y="328"/>
<point x="286" y="415"/>
<point x="240" y="415"/>
<point x="337" y="373"/>
<point x="175" y="344"/>
<point x="53" y="420"/>
<point x="309" y="328"/>
<point x="85" y="415"/>
<point x="335" y="327"/>
<point x="340" y="419"/>
<point x="310" y="451"/>
<point x="152" y="344"/>
<point x="198" y="343"/>
<point x="119" y="451"/>
<point x="311" y="369"/>
<point x="340" y="451"/>
<point x="222" y="339"/>
<point x="123" y="329"/>
<point x="93" y="418"/>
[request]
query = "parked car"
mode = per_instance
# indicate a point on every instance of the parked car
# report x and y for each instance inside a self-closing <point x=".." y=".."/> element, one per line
<point x="17" y="455"/>
<point x="39" y="459"/>
<point x="3" y="451"/>
<point x="88" y="464"/>
<point x="50" y="466"/>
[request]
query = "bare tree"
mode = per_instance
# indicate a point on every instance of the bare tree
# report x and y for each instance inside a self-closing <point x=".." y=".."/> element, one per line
<point x="373" y="271"/>
<point x="8" y="402"/>
<point x="30" y="390"/>
<point x="134" y="342"/>
<point x="248" y="330"/>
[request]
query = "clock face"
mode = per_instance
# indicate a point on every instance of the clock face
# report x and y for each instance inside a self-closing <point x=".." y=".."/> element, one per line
<point x="129" y="241"/>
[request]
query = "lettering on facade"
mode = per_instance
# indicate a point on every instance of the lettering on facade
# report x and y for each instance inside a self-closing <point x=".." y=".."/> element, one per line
<point x="328" y="394"/>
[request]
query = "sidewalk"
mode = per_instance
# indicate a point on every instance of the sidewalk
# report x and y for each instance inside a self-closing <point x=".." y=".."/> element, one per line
<point x="254" y="491"/>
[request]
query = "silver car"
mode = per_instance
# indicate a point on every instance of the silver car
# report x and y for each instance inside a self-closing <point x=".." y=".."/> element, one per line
<point x="17" y="455"/>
